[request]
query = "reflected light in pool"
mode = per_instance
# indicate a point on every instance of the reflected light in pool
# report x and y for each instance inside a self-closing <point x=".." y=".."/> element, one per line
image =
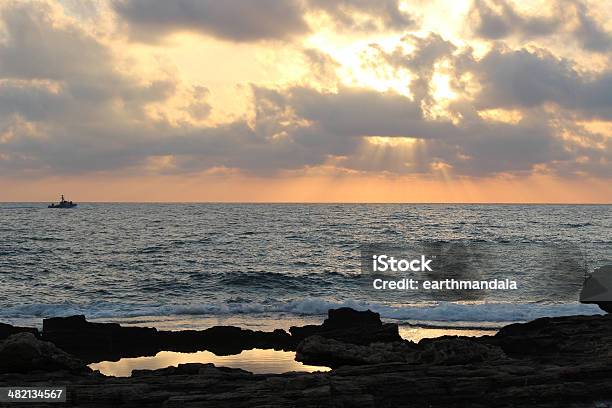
<point x="257" y="361"/>
<point x="417" y="334"/>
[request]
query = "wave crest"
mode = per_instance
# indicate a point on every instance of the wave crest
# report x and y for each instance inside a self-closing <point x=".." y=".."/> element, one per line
<point x="442" y="312"/>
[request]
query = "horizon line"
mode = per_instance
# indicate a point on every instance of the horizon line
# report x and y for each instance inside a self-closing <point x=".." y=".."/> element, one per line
<point x="327" y="202"/>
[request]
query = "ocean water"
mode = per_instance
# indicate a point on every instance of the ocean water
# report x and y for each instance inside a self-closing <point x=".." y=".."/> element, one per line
<point x="248" y="263"/>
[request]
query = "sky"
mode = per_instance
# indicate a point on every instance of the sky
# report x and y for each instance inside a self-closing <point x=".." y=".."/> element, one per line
<point x="306" y="100"/>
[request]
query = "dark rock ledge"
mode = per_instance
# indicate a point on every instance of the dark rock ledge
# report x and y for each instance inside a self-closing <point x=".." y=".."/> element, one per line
<point x="93" y="342"/>
<point x="6" y="330"/>
<point x="551" y="362"/>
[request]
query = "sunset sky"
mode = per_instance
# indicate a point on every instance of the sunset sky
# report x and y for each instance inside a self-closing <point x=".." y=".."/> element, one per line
<point x="306" y="100"/>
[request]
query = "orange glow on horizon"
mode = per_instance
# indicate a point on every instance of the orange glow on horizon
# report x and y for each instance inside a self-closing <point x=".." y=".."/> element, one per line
<point x="310" y="189"/>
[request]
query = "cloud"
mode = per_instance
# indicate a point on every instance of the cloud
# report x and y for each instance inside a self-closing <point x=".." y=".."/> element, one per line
<point x="364" y="112"/>
<point x="322" y="67"/>
<point x="365" y="15"/>
<point x="421" y="61"/>
<point x="41" y="44"/>
<point x="248" y="20"/>
<point x="234" y="20"/>
<point x="523" y="78"/>
<point x="474" y="147"/>
<point x="77" y="112"/>
<point x="590" y="33"/>
<point x="64" y="104"/>
<point x="498" y="19"/>
<point x="33" y="48"/>
<point x="70" y="104"/>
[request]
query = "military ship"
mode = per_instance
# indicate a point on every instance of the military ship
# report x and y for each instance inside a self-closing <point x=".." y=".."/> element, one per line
<point x="62" y="204"/>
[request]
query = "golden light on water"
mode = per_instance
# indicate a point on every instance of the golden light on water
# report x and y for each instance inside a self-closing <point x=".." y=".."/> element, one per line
<point x="258" y="361"/>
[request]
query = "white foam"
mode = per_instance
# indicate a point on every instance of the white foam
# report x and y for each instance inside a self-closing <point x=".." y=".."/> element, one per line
<point x="443" y="312"/>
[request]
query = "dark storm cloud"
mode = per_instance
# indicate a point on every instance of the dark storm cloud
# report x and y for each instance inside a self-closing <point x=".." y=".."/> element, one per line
<point x="498" y="19"/>
<point x="235" y="20"/>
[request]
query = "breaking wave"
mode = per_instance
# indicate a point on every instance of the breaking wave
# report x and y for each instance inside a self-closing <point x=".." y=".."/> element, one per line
<point x="440" y="313"/>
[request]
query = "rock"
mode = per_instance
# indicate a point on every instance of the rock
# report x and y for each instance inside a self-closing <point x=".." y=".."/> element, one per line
<point x="547" y="339"/>
<point x="95" y="342"/>
<point x="208" y="369"/>
<point x="23" y="352"/>
<point x="453" y="350"/>
<point x="317" y="350"/>
<point x="597" y="288"/>
<point x="350" y="326"/>
<point x="345" y="317"/>
<point x="7" y="330"/>
<point x="443" y="372"/>
<point x="224" y="340"/>
<point x="501" y="383"/>
<point x="99" y="341"/>
<point x="558" y="340"/>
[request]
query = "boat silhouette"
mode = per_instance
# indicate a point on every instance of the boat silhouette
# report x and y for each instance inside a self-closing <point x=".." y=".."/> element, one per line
<point x="62" y="204"/>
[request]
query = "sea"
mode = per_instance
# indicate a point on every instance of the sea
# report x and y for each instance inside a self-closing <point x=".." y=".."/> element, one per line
<point x="264" y="266"/>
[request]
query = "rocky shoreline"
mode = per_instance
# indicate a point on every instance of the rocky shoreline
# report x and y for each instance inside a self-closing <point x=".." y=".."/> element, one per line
<point x="549" y="362"/>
